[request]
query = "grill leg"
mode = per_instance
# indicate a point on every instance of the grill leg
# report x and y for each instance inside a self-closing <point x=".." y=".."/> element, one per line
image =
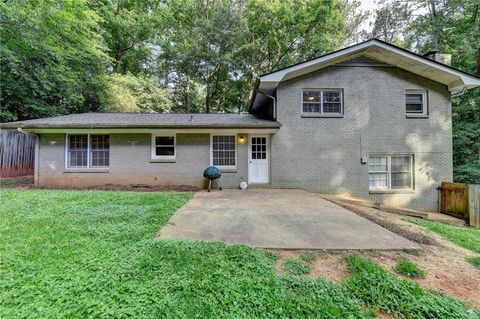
<point x="218" y="184"/>
<point x="209" y="185"/>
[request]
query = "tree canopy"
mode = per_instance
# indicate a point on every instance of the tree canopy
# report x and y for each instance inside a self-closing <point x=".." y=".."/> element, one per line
<point x="71" y="56"/>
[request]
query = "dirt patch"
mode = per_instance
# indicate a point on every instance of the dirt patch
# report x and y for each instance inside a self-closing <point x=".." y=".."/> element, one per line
<point x="371" y="215"/>
<point x="445" y="263"/>
<point x="16" y="182"/>
<point x="28" y="183"/>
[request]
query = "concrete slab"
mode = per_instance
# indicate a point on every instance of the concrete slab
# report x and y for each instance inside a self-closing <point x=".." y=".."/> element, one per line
<point x="283" y="219"/>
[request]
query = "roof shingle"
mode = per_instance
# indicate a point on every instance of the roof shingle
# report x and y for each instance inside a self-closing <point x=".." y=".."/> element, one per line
<point x="146" y="120"/>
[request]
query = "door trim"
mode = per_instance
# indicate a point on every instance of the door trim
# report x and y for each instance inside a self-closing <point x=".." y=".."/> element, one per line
<point x="267" y="138"/>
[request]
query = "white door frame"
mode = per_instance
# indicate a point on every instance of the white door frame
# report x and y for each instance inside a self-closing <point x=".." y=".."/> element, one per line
<point x="267" y="139"/>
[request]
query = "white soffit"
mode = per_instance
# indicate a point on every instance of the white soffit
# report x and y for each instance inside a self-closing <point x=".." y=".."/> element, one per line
<point x="383" y="52"/>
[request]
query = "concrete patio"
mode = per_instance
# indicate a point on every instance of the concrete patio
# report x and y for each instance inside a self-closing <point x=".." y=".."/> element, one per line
<point x="283" y="219"/>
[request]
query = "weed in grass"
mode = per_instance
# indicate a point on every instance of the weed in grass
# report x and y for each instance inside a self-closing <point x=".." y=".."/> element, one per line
<point x="308" y="257"/>
<point x="407" y="268"/>
<point x="271" y="255"/>
<point x="376" y="288"/>
<point x="474" y="261"/>
<point x="296" y="267"/>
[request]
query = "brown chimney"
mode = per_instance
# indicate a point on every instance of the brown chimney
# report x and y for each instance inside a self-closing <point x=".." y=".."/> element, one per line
<point x="439" y="57"/>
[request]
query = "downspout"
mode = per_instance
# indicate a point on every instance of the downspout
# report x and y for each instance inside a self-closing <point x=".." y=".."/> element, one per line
<point x="36" y="155"/>
<point x="274" y="102"/>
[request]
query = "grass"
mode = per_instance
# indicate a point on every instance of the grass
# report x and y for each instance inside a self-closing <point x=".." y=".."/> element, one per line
<point x="296" y="267"/>
<point x="91" y="254"/>
<point x="407" y="268"/>
<point x="466" y="237"/>
<point x="378" y="289"/>
<point x="475" y="261"/>
<point x="308" y="257"/>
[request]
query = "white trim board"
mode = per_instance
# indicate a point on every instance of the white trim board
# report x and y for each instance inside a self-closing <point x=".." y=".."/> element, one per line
<point x="382" y="52"/>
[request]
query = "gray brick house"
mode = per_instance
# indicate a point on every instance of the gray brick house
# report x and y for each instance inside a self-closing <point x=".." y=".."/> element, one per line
<point x="372" y="121"/>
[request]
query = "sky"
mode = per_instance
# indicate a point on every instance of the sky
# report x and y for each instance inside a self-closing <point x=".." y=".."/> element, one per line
<point x="368" y="5"/>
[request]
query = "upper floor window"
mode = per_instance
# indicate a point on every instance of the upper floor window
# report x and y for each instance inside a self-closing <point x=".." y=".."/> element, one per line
<point x="322" y="102"/>
<point x="163" y="146"/>
<point x="88" y="151"/>
<point x="416" y="102"/>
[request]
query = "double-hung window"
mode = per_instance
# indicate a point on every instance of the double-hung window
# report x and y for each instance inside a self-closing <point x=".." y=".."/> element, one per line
<point x="416" y="103"/>
<point x="163" y="147"/>
<point x="326" y="102"/>
<point x="390" y="172"/>
<point x="88" y="151"/>
<point x="224" y="151"/>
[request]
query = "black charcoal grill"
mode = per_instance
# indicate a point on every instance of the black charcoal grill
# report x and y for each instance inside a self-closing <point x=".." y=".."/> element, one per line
<point x="213" y="174"/>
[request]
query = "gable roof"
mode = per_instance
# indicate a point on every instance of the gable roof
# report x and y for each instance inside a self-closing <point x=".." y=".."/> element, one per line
<point x="378" y="50"/>
<point x="146" y="120"/>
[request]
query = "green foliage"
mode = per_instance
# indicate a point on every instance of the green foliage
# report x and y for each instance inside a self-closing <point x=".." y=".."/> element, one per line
<point x="466" y="237"/>
<point x="452" y="27"/>
<point x="92" y="254"/>
<point x="308" y="257"/>
<point x="296" y="267"/>
<point x="128" y="29"/>
<point x="378" y="289"/>
<point x="128" y="93"/>
<point x="474" y="261"/>
<point x="407" y="268"/>
<point x="51" y="57"/>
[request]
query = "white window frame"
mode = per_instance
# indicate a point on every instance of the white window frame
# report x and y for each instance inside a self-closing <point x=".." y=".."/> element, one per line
<point x="389" y="173"/>
<point x="424" y="112"/>
<point x="89" y="149"/>
<point x="230" y="167"/>
<point x="154" y="155"/>
<point x="322" y="113"/>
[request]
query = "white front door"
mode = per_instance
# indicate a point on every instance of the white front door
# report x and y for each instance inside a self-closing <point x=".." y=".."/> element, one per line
<point x="258" y="159"/>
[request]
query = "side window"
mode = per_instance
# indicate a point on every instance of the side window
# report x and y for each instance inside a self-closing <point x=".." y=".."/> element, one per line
<point x="390" y="172"/>
<point x="223" y="152"/>
<point x="322" y="102"/>
<point x="163" y="147"/>
<point x="416" y="103"/>
<point x="88" y="151"/>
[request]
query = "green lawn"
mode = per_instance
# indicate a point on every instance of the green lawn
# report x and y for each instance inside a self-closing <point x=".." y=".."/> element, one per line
<point x="466" y="237"/>
<point x="91" y="254"/>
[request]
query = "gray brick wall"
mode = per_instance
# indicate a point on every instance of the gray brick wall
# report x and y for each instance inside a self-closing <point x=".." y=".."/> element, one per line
<point x="323" y="154"/>
<point x="130" y="163"/>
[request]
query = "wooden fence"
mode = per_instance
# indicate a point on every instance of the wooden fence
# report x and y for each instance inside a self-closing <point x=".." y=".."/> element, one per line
<point x="461" y="200"/>
<point x="17" y="154"/>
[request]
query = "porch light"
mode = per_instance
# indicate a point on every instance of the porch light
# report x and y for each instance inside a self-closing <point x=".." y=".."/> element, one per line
<point x="241" y="139"/>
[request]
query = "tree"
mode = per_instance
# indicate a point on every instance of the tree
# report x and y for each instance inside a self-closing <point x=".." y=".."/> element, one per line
<point x="391" y="21"/>
<point x="454" y="27"/>
<point x="128" y="93"/>
<point x="128" y="28"/>
<point x="51" y="58"/>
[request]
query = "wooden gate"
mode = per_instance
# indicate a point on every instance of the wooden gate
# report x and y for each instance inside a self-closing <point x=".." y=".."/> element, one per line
<point x="454" y="199"/>
<point x="462" y="201"/>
